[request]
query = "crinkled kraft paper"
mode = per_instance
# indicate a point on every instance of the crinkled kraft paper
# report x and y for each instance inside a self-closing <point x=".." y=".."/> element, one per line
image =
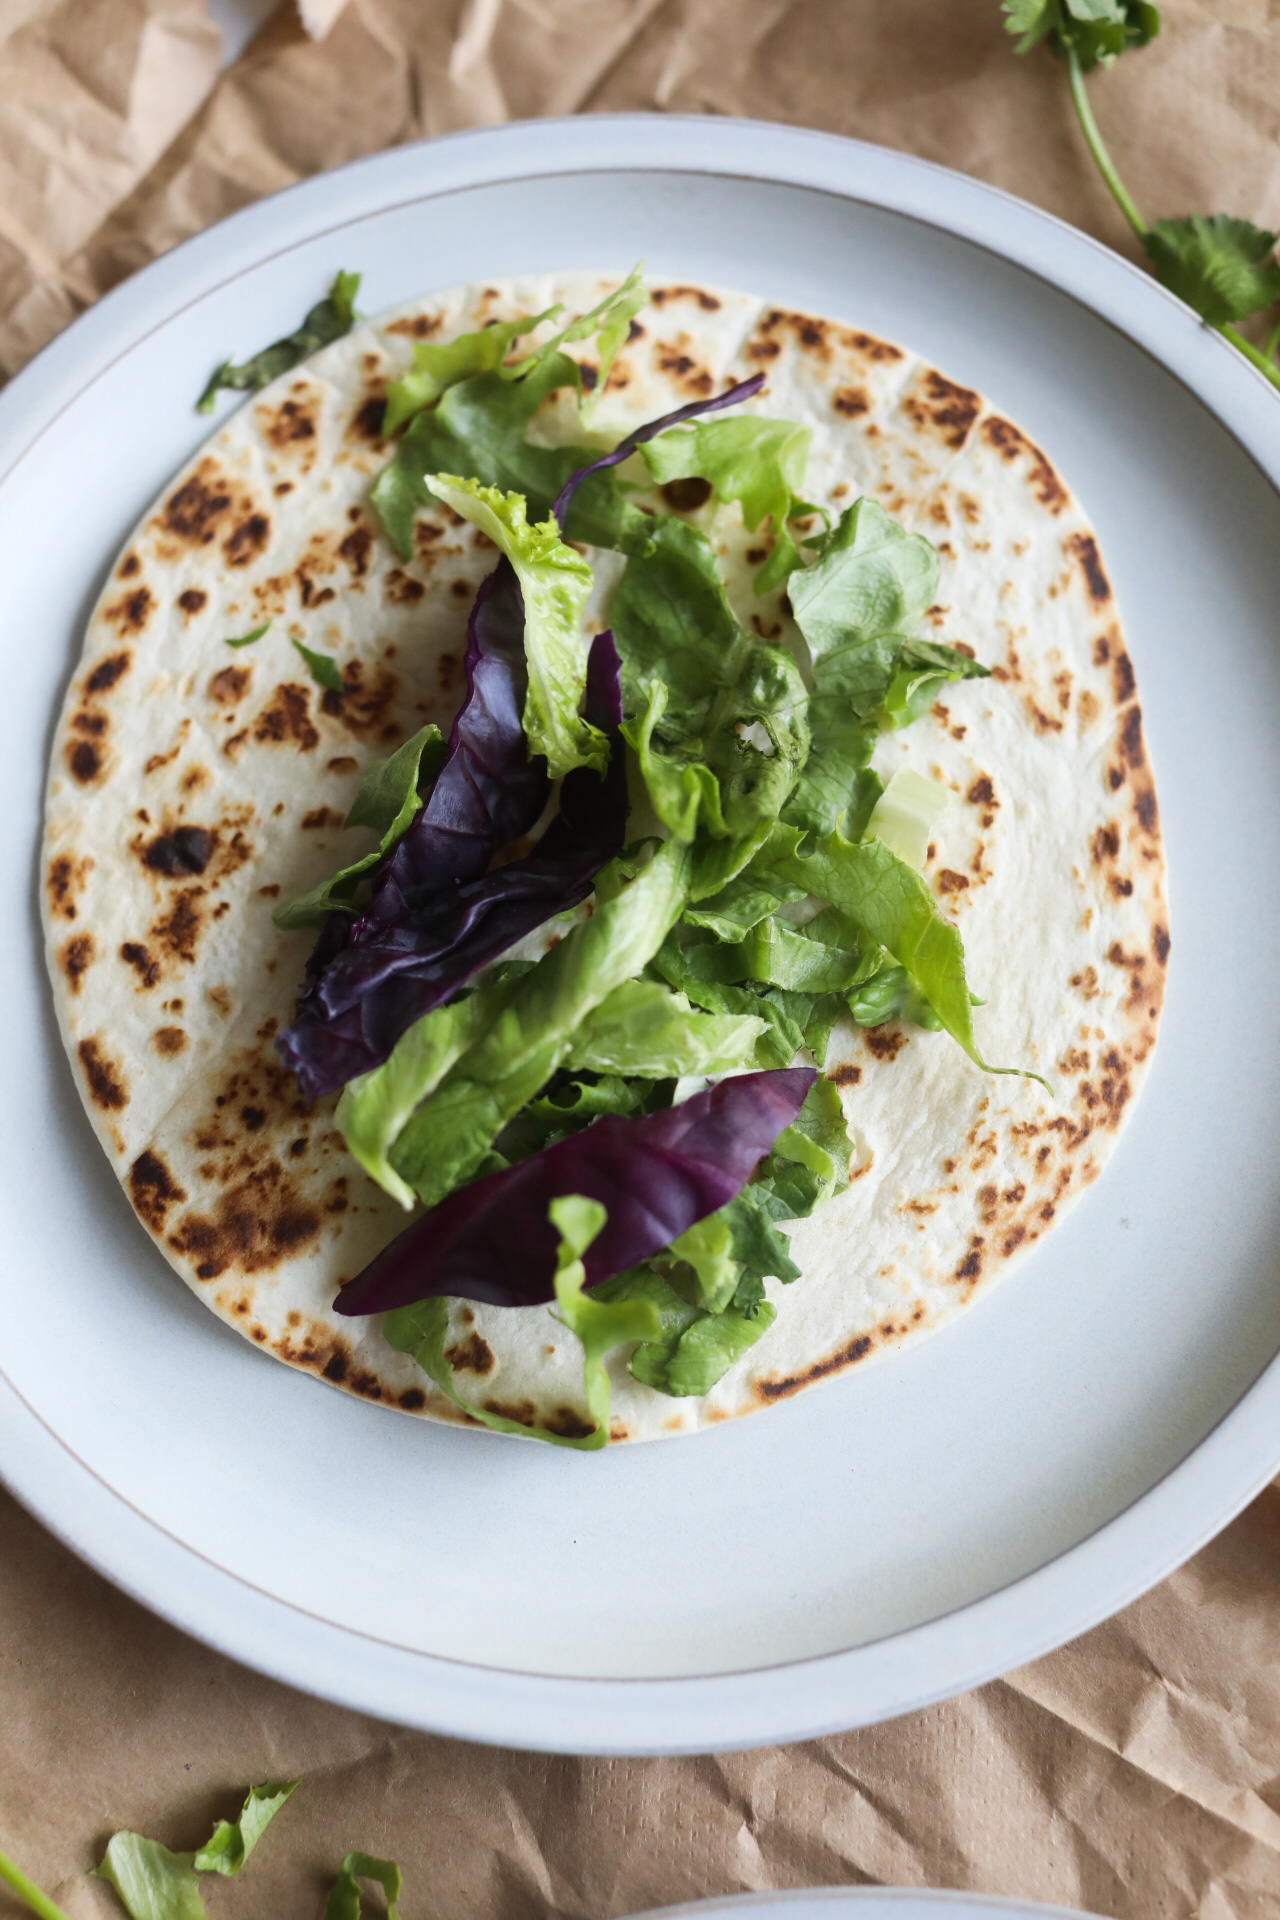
<point x="1134" y="1773"/>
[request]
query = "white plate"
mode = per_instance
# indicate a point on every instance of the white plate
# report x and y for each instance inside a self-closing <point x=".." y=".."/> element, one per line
<point x="860" y="1903"/>
<point x="910" y="1529"/>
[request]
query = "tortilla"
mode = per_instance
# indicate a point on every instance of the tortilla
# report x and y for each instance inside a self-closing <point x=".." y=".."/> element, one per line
<point x="194" y="785"/>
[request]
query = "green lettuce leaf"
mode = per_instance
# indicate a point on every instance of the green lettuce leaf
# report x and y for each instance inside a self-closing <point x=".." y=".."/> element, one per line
<point x="374" y="1109"/>
<point x="679" y="966"/>
<point x="872" y="578"/>
<point x="611" y="318"/>
<point x="572" y="1102"/>
<point x="390" y="794"/>
<point x="232" y="1841"/>
<point x="532" y="1036"/>
<point x="906" y="814"/>
<point x="644" y="1029"/>
<point x="153" y="1884"/>
<point x="696" y="1359"/>
<point x="921" y="669"/>
<point x="734" y="909"/>
<point x="328" y="320"/>
<point x="887" y="992"/>
<point x="758" y="462"/>
<point x="1223" y="267"/>
<point x="892" y="907"/>
<point x="555" y="581"/>
<point x="600" y="1325"/>
<point x="344" y="1898"/>
<point x="438" y="367"/>
<point x="720" y="721"/>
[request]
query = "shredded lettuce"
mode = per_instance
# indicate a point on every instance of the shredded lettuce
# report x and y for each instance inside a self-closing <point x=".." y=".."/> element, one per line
<point x="448" y="1137"/>
<point x="389" y="797"/>
<point x="611" y="318"/>
<point x="906" y="814"/>
<point x="436" y="368"/>
<point x="155" y="1884"/>
<point x="328" y="320"/>
<point x="643" y="1028"/>
<point x="758" y="462"/>
<point x="872" y="578"/>
<point x="344" y="1897"/>
<point x="555" y="581"/>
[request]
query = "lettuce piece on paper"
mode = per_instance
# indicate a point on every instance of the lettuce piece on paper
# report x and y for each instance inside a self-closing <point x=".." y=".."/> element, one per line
<point x="555" y="581"/>
<point x="389" y="797"/>
<point x="153" y="1884"/>
<point x="232" y="1841"/>
<point x="344" y="1902"/>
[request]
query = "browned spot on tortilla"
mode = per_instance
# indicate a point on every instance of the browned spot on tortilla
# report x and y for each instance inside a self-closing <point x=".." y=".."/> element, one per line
<point x="522" y="1411"/>
<point x="366" y="421"/>
<point x="287" y="719"/>
<point x="342" y="764"/>
<point x="1042" y="722"/>
<point x="569" y="1424"/>
<point x="169" y="1040"/>
<point x="472" y="1355"/>
<point x="75" y="957"/>
<point x="402" y="588"/>
<point x="153" y="1189"/>
<point x="1010" y="442"/>
<point x="660" y="296"/>
<point x="128" y="567"/>
<point x="258" y="1222"/>
<point x="185" y="851"/>
<point x="764" y="349"/>
<point x="107" y="672"/>
<point x="942" y="406"/>
<point x="107" y="1086"/>
<point x="951" y="882"/>
<point x="845" y="1075"/>
<point x="1084" y="548"/>
<point x="970" y="1267"/>
<point x="90" y="722"/>
<point x="291" y="421"/>
<point x="982" y="793"/>
<point x="1147" y="810"/>
<point x="131" y="614"/>
<point x="1160" y="943"/>
<point x="1122" y="678"/>
<point x="1131" y="749"/>
<point x="886" y="1042"/>
<point x="85" y="762"/>
<point x="1106" y="843"/>
<point x="191" y="599"/>
<point x="356" y="547"/>
<point x="247" y="540"/>
<point x="65" y="875"/>
<point x="228" y="685"/>
<point x="779" y="1386"/>
<point x="413" y="1399"/>
<point x="179" y="929"/>
<point x="194" y="512"/>
<point x="321" y="817"/>
<point x="364" y="705"/>
<point x="851" y="401"/>
<point x="686" y="496"/>
<point x="1014" y="1239"/>
<point x="684" y="370"/>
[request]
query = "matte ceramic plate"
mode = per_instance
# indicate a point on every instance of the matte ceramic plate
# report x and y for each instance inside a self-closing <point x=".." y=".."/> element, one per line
<point x="909" y="1529"/>
<point x="860" y="1903"/>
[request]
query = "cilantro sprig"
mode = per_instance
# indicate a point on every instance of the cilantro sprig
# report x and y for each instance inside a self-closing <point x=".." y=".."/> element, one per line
<point x="1224" y="268"/>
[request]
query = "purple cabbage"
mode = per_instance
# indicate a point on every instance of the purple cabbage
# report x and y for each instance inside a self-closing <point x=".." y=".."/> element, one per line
<point x="436" y="916"/>
<point x="655" y="1175"/>
<point x="745" y="390"/>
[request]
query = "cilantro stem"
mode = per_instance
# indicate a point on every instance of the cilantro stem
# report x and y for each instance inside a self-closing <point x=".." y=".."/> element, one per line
<point x="1262" y="361"/>
<point x="1097" y="146"/>
<point x="27" y="1890"/>
<point x="1272" y="344"/>
<point x="1128" y="207"/>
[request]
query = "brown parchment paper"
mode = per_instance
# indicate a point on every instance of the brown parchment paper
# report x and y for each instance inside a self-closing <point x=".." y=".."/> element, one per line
<point x="1134" y="1773"/>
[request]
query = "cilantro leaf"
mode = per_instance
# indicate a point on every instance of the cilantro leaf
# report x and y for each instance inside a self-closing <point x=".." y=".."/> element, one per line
<point x="322" y="667"/>
<point x="1096" y="31"/>
<point x="328" y="320"/>
<point x="247" y="639"/>
<point x="1222" y="267"/>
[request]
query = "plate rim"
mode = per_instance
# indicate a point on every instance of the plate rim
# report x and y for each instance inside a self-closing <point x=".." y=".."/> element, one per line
<point x="953" y="1651"/>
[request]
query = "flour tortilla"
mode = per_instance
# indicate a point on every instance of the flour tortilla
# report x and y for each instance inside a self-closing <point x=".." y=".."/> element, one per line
<point x="193" y="785"/>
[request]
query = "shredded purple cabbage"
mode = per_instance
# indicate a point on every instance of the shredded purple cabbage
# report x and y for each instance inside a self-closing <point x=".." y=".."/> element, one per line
<point x="655" y="1175"/>
<point x="745" y="390"/>
<point x="436" y="916"/>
